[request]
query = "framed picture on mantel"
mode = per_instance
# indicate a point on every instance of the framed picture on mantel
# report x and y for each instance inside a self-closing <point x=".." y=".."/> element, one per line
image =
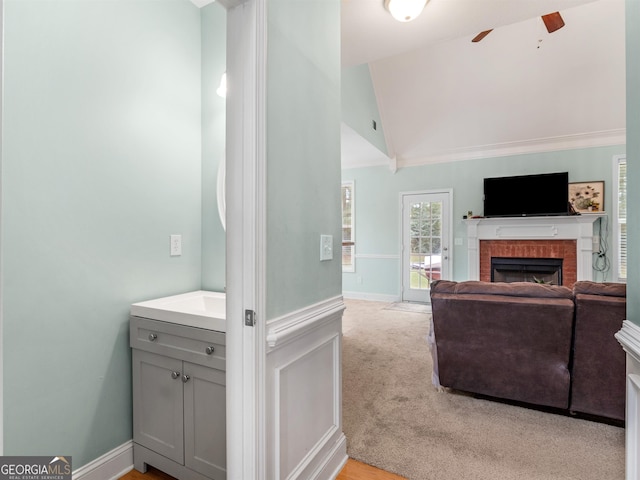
<point x="587" y="197"/>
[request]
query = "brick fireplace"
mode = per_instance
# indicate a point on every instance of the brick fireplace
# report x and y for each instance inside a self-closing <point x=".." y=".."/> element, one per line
<point x="564" y="250"/>
<point x="568" y="237"/>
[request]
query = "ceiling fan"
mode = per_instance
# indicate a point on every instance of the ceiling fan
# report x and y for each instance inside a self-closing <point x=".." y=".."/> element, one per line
<point x="553" y="21"/>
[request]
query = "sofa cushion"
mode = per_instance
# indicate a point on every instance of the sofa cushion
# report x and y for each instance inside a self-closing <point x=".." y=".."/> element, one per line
<point x="607" y="288"/>
<point x="514" y="289"/>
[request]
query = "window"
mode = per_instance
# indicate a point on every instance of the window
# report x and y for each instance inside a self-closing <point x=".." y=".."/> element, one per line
<point x="348" y="228"/>
<point x="620" y="179"/>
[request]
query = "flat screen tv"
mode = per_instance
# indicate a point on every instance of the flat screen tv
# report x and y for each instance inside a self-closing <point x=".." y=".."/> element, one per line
<point x="527" y="195"/>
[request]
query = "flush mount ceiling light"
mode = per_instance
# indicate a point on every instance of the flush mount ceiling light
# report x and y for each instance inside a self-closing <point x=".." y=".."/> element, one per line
<point x="405" y="10"/>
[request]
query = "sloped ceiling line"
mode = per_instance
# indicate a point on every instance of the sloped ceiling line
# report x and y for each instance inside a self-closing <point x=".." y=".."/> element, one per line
<point x="382" y="110"/>
<point x="507" y="95"/>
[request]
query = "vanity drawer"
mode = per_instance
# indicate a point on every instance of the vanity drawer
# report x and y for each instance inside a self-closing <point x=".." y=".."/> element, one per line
<point x="196" y="345"/>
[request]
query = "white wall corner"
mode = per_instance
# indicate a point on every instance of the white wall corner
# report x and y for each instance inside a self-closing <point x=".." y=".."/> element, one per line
<point x="393" y="164"/>
<point x="629" y="338"/>
<point x="112" y="465"/>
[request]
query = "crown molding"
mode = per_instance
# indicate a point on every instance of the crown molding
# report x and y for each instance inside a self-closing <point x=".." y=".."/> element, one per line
<point x="540" y="145"/>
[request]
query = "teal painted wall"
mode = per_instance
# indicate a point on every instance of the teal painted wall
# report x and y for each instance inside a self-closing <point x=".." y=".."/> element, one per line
<point x="360" y="107"/>
<point x="377" y="204"/>
<point x="303" y="152"/>
<point x="214" y="57"/>
<point x="101" y="163"/>
<point x="632" y="31"/>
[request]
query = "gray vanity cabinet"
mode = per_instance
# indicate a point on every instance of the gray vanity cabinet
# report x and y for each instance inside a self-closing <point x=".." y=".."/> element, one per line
<point x="179" y="414"/>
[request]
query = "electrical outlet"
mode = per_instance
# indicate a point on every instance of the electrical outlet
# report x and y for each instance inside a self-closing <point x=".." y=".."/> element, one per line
<point x="326" y="247"/>
<point x="175" y="245"/>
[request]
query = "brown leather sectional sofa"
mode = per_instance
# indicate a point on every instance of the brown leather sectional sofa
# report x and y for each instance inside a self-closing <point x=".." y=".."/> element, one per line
<point x="538" y="344"/>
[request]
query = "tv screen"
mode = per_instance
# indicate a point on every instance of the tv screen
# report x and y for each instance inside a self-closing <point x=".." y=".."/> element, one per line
<point x="527" y="195"/>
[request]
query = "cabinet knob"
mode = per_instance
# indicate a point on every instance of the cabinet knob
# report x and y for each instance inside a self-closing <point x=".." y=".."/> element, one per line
<point x="175" y="375"/>
<point x="152" y="337"/>
<point x="185" y="378"/>
<point x="210" y="349"/>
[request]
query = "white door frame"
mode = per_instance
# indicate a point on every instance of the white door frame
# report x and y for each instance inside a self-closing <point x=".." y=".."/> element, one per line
<point x="245" y="238"/>
<point x="448" y="212"/>
<point x="1" y="226"/>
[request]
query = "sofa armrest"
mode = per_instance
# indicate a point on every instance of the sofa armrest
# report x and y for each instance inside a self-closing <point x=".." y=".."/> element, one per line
<point x="599" y="362"/>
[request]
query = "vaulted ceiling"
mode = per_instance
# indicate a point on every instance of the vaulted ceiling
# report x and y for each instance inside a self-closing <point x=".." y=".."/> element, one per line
<point x="521" y="89"/>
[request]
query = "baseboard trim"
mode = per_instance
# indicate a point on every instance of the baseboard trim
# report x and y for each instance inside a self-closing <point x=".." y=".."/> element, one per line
<point x="112" y="465"/>
<point x="335" y="461"/>
<point x="374" y="297"/>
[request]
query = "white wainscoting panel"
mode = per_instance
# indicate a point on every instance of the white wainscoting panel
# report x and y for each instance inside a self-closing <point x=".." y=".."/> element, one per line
<point x="629" y="338"/>
<point x="304" y="393"/>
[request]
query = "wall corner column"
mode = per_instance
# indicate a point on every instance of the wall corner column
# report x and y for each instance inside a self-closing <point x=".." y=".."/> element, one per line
<point x="629" y="338"/>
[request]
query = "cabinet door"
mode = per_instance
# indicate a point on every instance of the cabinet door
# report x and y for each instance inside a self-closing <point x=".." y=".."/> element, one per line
<point x="205" y="434"/>
<point x="158" y="404"/>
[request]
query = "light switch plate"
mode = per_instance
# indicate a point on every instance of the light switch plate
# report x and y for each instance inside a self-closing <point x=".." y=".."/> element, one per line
<point x="326" y="247"/>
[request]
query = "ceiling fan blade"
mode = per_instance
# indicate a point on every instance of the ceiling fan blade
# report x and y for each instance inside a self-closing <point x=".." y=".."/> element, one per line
<point x="481" y="35"/>
<point x="553" y="22"/>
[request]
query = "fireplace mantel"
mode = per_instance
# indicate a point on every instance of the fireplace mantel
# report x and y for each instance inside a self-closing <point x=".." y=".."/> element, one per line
<point x="574" y="227"/>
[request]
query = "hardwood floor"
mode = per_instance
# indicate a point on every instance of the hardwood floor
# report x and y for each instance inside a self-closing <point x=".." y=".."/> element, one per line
<point x="152" y="474"/>
<point x="353" y="470"/>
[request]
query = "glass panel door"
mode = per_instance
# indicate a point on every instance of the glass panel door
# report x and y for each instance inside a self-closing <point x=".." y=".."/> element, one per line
<point x="425" y="243"/>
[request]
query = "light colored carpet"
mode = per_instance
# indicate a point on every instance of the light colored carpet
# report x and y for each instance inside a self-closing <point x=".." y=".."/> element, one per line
<point x="396" y="420"/>
<point x="409" y="307"/>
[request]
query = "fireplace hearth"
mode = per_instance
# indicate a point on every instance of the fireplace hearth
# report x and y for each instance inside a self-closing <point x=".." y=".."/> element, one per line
<point x="537" y="270"/>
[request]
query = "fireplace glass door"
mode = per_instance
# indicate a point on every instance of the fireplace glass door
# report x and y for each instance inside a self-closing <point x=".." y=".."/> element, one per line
<point x="537" y="270"/>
